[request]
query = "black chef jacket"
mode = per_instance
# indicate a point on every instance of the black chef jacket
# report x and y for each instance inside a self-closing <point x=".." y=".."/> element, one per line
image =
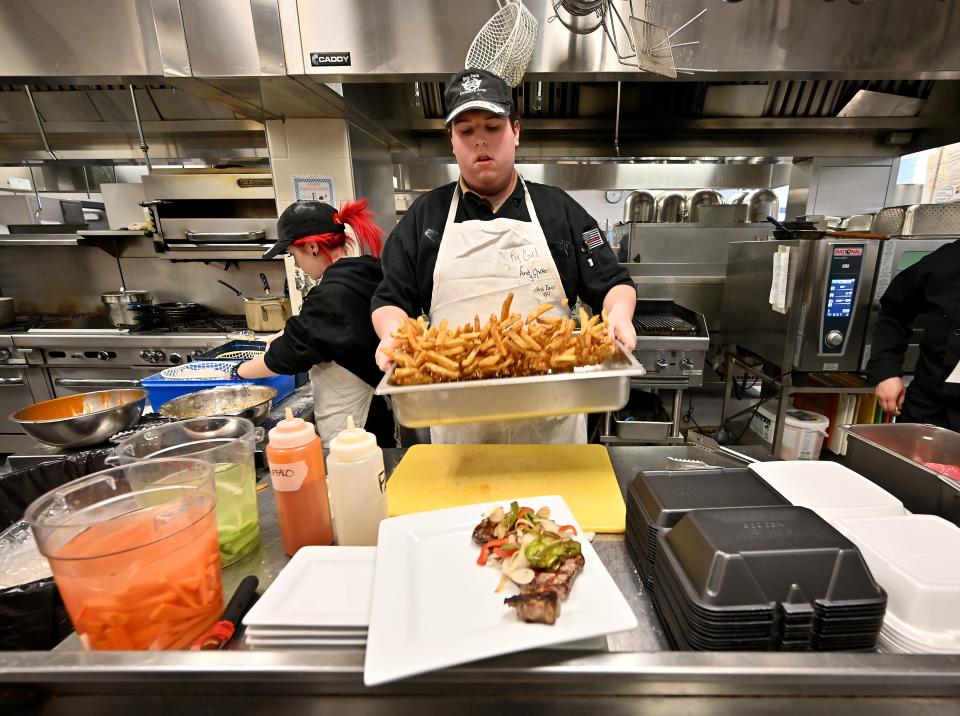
<point x="932" y="287"/>
<point x="334" y="325"/>
<point x="410" y="253"/>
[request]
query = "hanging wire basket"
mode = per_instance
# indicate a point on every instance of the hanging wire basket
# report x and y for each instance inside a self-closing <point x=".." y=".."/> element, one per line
<point x="505" y="44"/>
<point x="638" y="40"/>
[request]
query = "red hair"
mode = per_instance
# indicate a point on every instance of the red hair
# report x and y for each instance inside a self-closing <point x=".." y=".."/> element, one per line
<point x="358" y="217"/>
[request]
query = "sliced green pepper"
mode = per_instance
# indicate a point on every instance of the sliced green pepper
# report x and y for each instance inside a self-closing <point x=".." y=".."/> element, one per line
<point x="544" y="553"/>
<point x="510" y="519"/>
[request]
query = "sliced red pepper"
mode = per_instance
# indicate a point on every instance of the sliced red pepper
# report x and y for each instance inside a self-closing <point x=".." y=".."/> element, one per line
<point x="486" y="549"/>
<point x="506" y="550"/>
<point x="567" y="528"/>
<point x="523" y="510"/>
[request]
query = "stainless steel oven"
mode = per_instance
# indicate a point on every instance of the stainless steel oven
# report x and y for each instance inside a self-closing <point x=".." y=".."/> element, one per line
<point x="67" y="381"/>
<point x="826" y="293"/>
<point x="20" y="385"/>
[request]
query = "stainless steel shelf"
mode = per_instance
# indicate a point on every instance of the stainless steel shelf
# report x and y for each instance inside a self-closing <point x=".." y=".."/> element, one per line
<point x="114" y="233"/>
<point x="214" y="252"/>
<point x="40" y="240"/>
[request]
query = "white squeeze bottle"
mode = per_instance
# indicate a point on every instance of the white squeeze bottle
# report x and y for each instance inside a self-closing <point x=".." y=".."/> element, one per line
<point x="355" y="476"/>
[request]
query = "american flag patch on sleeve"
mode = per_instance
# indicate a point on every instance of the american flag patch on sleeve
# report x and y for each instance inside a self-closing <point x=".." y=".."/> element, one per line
<point x="593" y="239"/>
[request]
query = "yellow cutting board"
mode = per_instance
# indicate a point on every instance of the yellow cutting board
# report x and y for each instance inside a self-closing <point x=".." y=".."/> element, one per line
<point x="435" y="477"/>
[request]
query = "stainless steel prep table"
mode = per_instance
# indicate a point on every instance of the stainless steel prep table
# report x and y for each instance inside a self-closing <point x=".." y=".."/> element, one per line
<point x="636" y="672"/>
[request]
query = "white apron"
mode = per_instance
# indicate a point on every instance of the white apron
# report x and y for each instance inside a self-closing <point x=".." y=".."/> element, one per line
<point x="337" y="394"/>
<point x="478" y="264"/>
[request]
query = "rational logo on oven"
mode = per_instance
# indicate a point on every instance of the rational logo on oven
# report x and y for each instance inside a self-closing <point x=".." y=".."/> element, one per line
<point x="847" y="251"/>
<point x="330" y="59"/>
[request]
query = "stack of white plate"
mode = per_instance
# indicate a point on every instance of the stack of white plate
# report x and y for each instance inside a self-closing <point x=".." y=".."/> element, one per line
<point x="828" y="488"/>
<point x="916" y="558"/>
<point x="321" y="599"/>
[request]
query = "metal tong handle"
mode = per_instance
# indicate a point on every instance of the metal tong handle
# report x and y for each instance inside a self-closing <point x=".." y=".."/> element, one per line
<point x="230" y="287"/>
<point x="713" y="446"/>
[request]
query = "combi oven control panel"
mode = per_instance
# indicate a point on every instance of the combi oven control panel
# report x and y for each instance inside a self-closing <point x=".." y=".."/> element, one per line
<point x="840" y="296"/>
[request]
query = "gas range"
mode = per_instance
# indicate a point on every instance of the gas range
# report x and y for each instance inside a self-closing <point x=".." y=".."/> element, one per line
<point x="9" y="353"/>
<point x="113" y="347"/>
<point x="90" y="341"/>
<point x="52" y="356"/>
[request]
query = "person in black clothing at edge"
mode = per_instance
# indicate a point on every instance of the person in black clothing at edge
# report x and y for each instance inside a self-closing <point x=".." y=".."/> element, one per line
<point x="463" y="247"/>
<point x="932" y="287"/>
<point x="332" y="337"/>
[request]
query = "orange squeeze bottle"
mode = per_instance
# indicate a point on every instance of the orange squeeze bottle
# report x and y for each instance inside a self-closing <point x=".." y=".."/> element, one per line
<point x="299" y="481"/>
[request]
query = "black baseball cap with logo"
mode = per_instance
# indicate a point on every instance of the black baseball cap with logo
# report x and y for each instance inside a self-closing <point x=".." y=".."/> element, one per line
<point x="301" y="219"/>
<point x="477" y="89"/>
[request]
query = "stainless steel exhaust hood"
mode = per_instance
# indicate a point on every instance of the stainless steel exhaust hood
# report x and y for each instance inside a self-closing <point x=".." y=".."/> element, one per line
<point x="774" y="77"/>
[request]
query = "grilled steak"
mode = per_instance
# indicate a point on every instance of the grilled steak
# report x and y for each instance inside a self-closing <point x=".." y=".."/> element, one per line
<point x="483" y="532"/>
<point x="537" y="608"/>
<point x="540" y="600"/>
<point x="560" y="581"/>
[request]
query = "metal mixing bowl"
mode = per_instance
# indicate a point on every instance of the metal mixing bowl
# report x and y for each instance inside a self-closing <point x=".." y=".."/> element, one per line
<point x="245" y="400"/>
<point x="82" y="419"/>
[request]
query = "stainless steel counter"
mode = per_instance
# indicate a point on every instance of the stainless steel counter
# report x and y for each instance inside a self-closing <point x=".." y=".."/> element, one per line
<point x="635" y="671"/>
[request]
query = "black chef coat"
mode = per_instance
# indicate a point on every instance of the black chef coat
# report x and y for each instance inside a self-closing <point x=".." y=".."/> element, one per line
<point x="932" y="287"/>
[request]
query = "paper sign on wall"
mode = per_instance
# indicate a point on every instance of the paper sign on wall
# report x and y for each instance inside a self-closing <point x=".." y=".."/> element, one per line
<point x="313" y="188"/>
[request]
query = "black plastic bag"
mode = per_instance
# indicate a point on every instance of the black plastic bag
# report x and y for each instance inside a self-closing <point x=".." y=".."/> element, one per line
<point x="21" y="487"/>
<point x="32" y="616"/>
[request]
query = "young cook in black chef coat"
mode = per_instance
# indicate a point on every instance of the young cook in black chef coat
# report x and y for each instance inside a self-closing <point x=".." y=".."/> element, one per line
<point x="463" y="247"/>
<point x="332" y="337"/>
<point x="931" y="286"/>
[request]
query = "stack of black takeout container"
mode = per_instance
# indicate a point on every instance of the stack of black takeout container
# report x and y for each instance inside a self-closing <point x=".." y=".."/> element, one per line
<point x="732" y="566"/>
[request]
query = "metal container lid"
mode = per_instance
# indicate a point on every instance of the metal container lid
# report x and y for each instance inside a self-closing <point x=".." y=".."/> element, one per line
<point x="131" y="296"/>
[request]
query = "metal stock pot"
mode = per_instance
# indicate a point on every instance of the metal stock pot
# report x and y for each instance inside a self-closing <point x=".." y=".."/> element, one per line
<point x="120" y="306"/>
<point x="265" y="314"/>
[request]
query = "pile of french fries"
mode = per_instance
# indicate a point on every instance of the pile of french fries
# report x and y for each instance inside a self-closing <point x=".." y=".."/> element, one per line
<point x="505" y="346"/>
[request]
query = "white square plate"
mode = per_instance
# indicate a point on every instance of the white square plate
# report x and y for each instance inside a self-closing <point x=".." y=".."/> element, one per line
<point x="433" y="607"/>
<point x="320" y="587"/>
<point x="304" y="633"/>
<point x="306" y="643"/>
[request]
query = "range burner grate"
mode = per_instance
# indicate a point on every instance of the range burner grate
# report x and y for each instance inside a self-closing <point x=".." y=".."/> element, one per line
<point x="662" y="324"/>
<point x="215" y="323"/>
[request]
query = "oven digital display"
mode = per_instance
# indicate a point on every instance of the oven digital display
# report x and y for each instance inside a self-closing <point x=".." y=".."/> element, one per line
<point x="840" y="297"/>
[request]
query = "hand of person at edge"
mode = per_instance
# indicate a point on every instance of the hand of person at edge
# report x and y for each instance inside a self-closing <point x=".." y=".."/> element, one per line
<point x="383" y="362"/>
<point x="890" y="393"/>
<point x="622" y="329"/>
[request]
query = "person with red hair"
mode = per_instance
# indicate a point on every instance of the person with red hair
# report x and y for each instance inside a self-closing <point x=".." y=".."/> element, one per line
<point x="332" y="337"/>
